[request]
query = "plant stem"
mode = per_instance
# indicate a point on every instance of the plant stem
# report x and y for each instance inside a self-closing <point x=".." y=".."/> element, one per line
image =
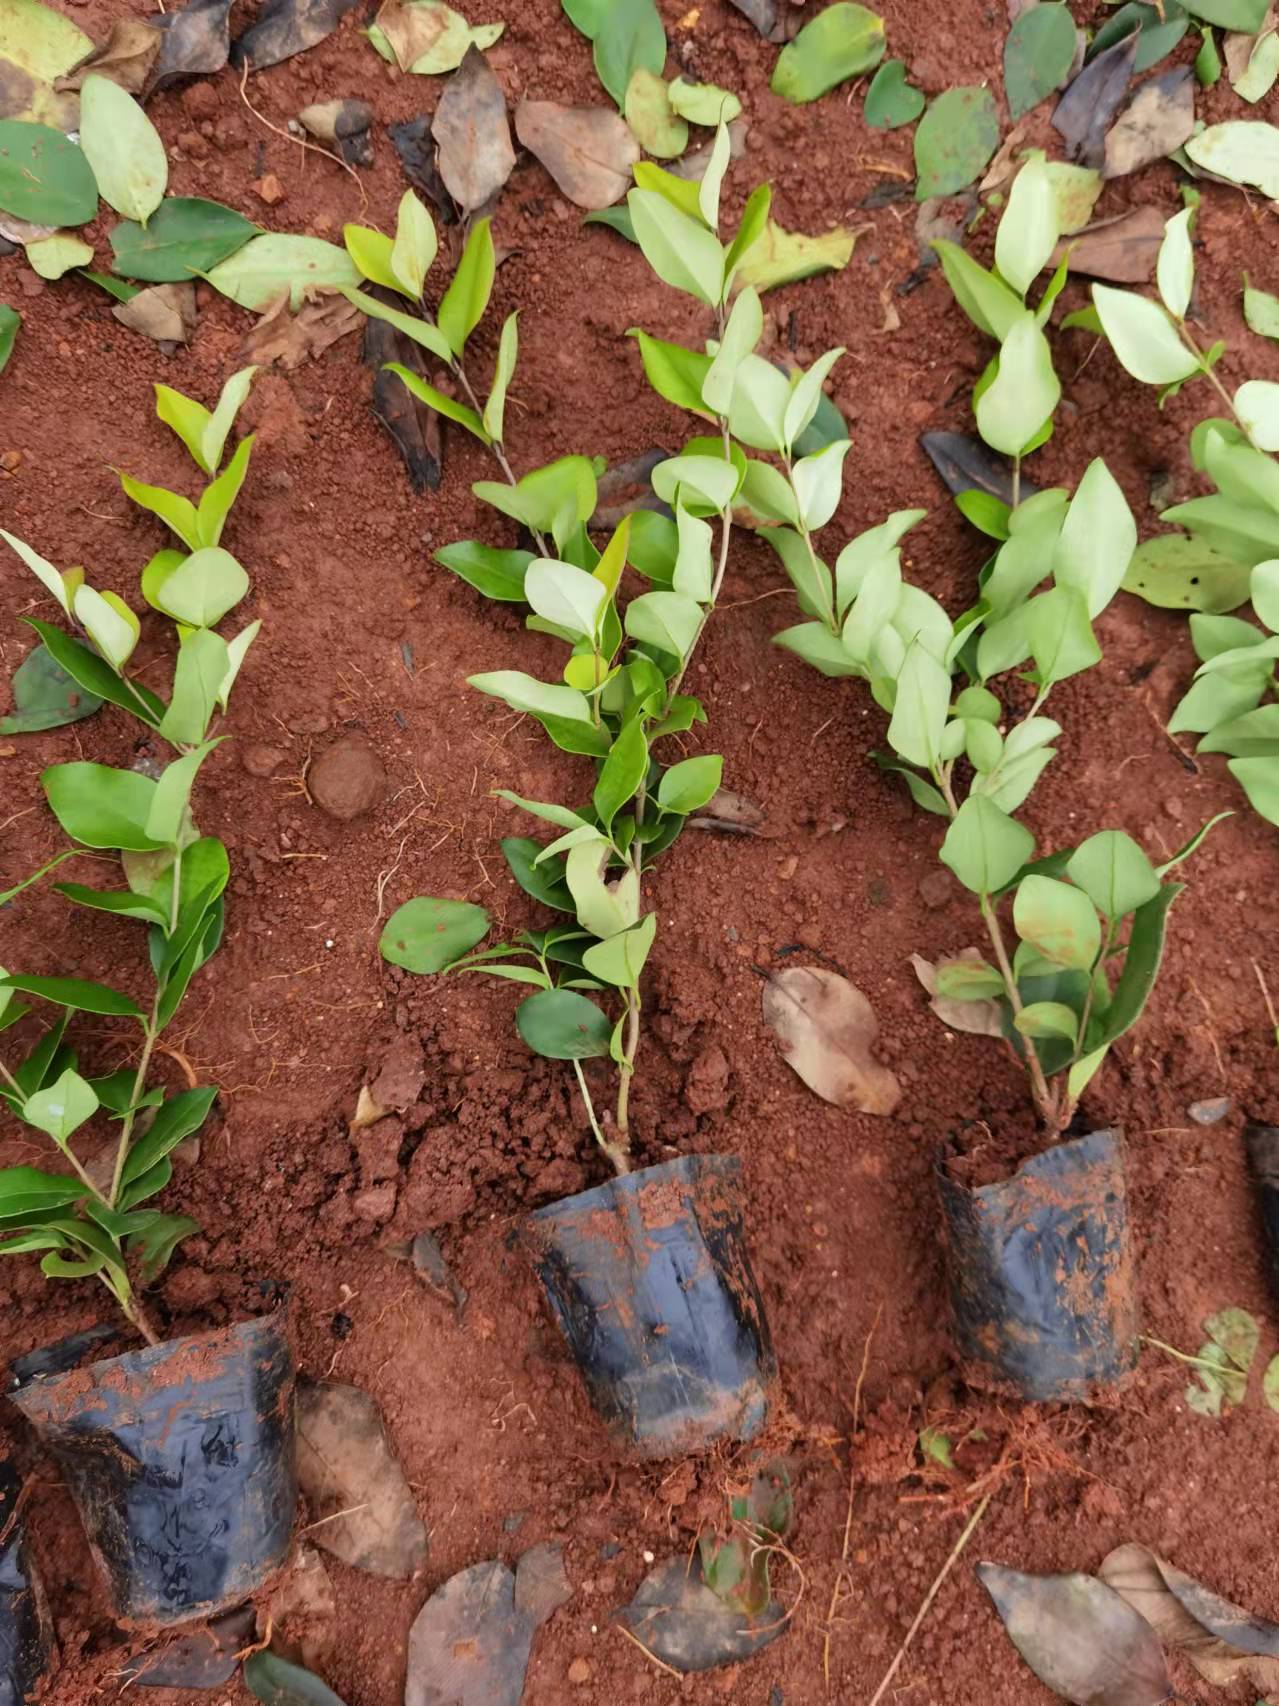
<point x="1016" y="481"/>
<point x="131" y="1308"/>
<point x="1210" y="374"/>
<point x="10" y="1080"/>
<point x="1181" y="1356"/>
<point x="139" y="1084"/>
<point x="499" y="455"/>
<point x="1045" y="1101"/>
<point x="617" y="1155"/>
<point x="1071" y="1102"/>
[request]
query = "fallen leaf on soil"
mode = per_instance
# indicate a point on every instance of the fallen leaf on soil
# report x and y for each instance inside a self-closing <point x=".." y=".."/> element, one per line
<point x="651" y="118"/>
<point x="1177" y="572"/>
<point x="126" y="57"/>
<point x="766" y="15"/>
<point x="1222" y="1641"/>
<point x="256" y="274"/>
<point x="285" y="27"/>
<point x="470" y="1643"/>
<point x="37" y="46"/>
<point x="344" y="125"/>
<point x="434" y="1272"/>
<point x="726" y="810"/>
<point x="472" y="134"/>
<point x="826" y="1028"/>
<point x="1242" y="151"/>
<point x="1123" y="250"/>
<point x="1075" y="191"/>
<point x="1229" y="1350"/>
<point x="541" y="1585"/>
<point x="979" y="1018"/>
<point x="324" y="317"/>
<point x="44" y="695"/>
<point x="783" y="257"/>
<point x="692" y="165"/>
<point x="165" y="312"/>
<point x="52" y="256"/>
<point x="303" y="1601"/>
<point x="1079" y="1637"/>
<point x="1038" y="54"/>
<point x="1158" y="119"/>
<point x="1083" y="114"/>
<point x="415" y="146"/>
<point x="1006" y="161"/>
<point x="346" y="1465"/>
<point x="196" y="1658"/>
<point x="23" y="231"/>
<point x="195" y="42"/>
<point x="413" y="426"/>
<point x="688" y="1627"/>
<point x="367" y="1111"/>
<point x="1252" y="61"/>
<point x="967" y="465"/>
<point x="589" y="151"/>
<point x="428" y="36"/>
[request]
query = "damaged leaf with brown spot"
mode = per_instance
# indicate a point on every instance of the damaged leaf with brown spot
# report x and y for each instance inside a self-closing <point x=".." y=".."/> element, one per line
<point x="1158" y="119"/>
<point x="980" y="1018"/>
<point x="827" y="1029"/>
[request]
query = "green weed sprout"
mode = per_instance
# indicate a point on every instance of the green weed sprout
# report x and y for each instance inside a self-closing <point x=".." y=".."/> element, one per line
<point x="90" y="1221"/>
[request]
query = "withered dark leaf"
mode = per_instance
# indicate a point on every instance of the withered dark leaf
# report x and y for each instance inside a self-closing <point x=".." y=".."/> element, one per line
<point x="470" y="1643"/>
<point x="1083" y="114"/>
<point x="285" y="27"/>
<point x="472" y="134"/>
<point x="413" y="427"/>
<point x="1158" y="119"/>
<point x="967" y="465"/>
<point x="350" y="1476"/>
<point x="415" y="146"/>
<point x="195" y="42"/>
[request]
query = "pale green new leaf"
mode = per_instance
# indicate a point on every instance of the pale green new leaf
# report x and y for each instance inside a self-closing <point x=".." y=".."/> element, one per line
<point x="1062" y="642"/>
<point x="818" y="481"/>
<point x="666" y="620"/>
<point x="1097" y="539"/>
<point x="806" y="396"/>
<point x="62" y="1108"/>
<point x="984" y="847"/>
<point x="415" y="245"/>
<point x="712" y="181"/>
<point x="507" y="352"/>
<point x="1175" y="268"/>
<point x="920" y="710"/>
<point x="619" y="959"/>
<point x="1028" y="230"/>
<point x="683" y="253"/>
<point x="741" y="334"/>
<point x="41" y="568"/>
<point x="109" y="623"/>
<point x="1023" y="393"/>
<point x="1257" y="405"/>
<point x="412" y="325"/>
<point x="565" y="595"/>
<point x="539" y="698"/>
<point x="463" y="303"/>
<point x="123" y="148"/>
<point x="1144" y="339"/>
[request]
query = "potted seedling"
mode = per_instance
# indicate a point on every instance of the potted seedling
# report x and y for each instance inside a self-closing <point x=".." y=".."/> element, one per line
<point x="179" y="1455"/>
<point x="1039" y="1252"/>
<point x="647" y="1274"/>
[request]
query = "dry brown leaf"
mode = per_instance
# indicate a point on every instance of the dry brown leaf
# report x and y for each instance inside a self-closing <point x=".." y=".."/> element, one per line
<point x="21" y="231"/>
<point x="472" y="134"/>
<point x="978" y="1018"/>
<point x="344" y="125"/>
<point x="1158" y="119"/>
<point x="350" y="1477"/>
<point x="589" y="151"/>
<point x="324" y="317"/>
<point x="367" y="1111"/>
<point x="826" y="1028"/>
<point x="165" y="312"/>
<point x="1122" y="250"/>
<point x="729" y="811"/>
<point x="125" y="58"/>
<point x="1221" y="1640"/>
<point x="1004" y="164"/>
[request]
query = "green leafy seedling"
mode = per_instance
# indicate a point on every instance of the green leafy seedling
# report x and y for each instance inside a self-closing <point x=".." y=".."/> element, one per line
<point x="736" y="1560"/>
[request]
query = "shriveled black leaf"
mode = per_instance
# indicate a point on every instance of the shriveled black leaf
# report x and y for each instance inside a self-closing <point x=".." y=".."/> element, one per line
<point x="344" y="125"/>
<point x="45" y="697"/>
<point x="363" y="1511"/>
<point x="414" y="428"/>
<point x="473" y="134"/>
<point x="1079" y="1637"/>
<point x="415" y="146"/>
<point x="967" y="465"/>
<point x="688" y="1627"/>
<point x="195" y="42"/>
<point x="286" y="27"/>
<point x="1083" y="114"/>
<point x="1158" y="119"/>
<point x="1222" y="1640"/>
<point x="766" y="15"/>
<point x="469" y="1645"/>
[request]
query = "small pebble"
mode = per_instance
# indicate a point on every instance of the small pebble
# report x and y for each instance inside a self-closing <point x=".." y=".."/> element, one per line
<point x="1208" y="1113"/>
<point x="579" y="1672"/>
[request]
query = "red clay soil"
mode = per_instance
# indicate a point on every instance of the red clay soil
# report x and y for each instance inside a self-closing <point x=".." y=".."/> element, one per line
<point x="364" y="635"/>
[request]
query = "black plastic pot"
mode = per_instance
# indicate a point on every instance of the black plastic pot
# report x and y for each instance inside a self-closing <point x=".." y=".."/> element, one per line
<point x="24" y="1622"/>
<point x="1041" y="1269"/>
<point x="651" y="1285"/>
<point x="1263" y="1158"/>
<point x="181" y="1461"/>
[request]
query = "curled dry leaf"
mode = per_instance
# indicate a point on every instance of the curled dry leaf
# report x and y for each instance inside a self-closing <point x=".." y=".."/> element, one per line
<point x="472" y="134"/>
<point x="827" y="1029"/>
<point x="344" y="125"/>
<point x="165" y="312"/>
<point x="126" y="57"/>
<point x="367" y="1111"/>
<point x="299" y="1615"/>
<point x="286" y="27"/>
<point x="589" y="151"/>
<point x="1123" y="250"/>
<point x="415" y="146"/>
<point x="349" y="1474"/>
<point x="1079" y="1637"/>
<point x="1222" y="1641"/>
<point x="730" y="812"/>
<point x="1083" y="114"/>
<point x="1158" y="119"/>
<point x="290" y="339"/>
<point x="194" y="42"/>
<point x="980" y="1018"/>
<point x="413" y="426"/>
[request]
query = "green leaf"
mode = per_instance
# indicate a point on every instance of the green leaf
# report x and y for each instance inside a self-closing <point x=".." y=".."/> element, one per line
<point x="51" y="257"/>
<point x="984" y="847"/>
<point x="708" y="480"/>
<point x="687" y="786"/>
<point x="682" y="252"/>
<point x="1244" y="15"/>
<point x="1260" y="310"/>
<point x="175" y="511"/>
<point x="1144" y="339"/>
<point x="1259" y="779"/>
<point x="203" y="661"/>
<point x="621" y="773"/>
<point x="184" y="238"/>
<point x="449" y="407"/>
<point x="666" y="620"/>
<point x="463" y="304"/>
<point x="77" y="994"/>
<point x="1058" y="920"/>
<point x="628" y="36"/>
<point x="619" y="959"/>
<point x="257" y="273"/>
<point x="955" y="141"/>
<point x="1175" y="269"/>
<point x="1084" y="1070"/>
<point x="521" y="853"/>
<point x="427" y="935"/>
<point x="703" y="103"/>
<point x="986" y="299"/>
<point x="1047" y="1019"/>
<point x="540" y="698"/>
<point x="1024" y="392"/>
<point x="653" y="121"/>
<point x="204" y="432"/>
<point x="44" y="177"/>
<point x="277" y="1682"/>
<point x="62" y="1108"/>
<point x="1114" y="873"/>
<point x="1175" y="572"/>
<point x="175" y="1121"/>
<point x="415" y="246"/>
<point x="920" y="708"/>
<point x="96" y="676"/>
<point x="10" y="320"/>
<point x="27" y="1194"/>
<point x="684" y="194"/>
<point x="841" y="42"/>
<point x="123" y="149"/>
<point x="1062" y="642"/>
<point x="496" y="574"/>
<point x="99" y="806"/>
<point x="741" y="334"/>
<point x="563" y="1025"/>
<point x="1038" y="55"/>
<point x="508" y="349"/>
<point x="616" y="218"/>
<point x="1158" y="32"/>
<point x="1141" y="963"/>
<point x="891" y="101"/>
<point x="200" y="589"/>
<point x="1207" y="60"/>
<point x="412" y="325"/>
<point x="778" y="257"/>
<point x="45" y="696"/>
<point x="172" y="795"/>
<point x="122" y="902"/>
<point x="1028" y="230"/>
<point x="218" y="497"/>
<point x="1243" y="531"/>
<point x="1257" y="406"/>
